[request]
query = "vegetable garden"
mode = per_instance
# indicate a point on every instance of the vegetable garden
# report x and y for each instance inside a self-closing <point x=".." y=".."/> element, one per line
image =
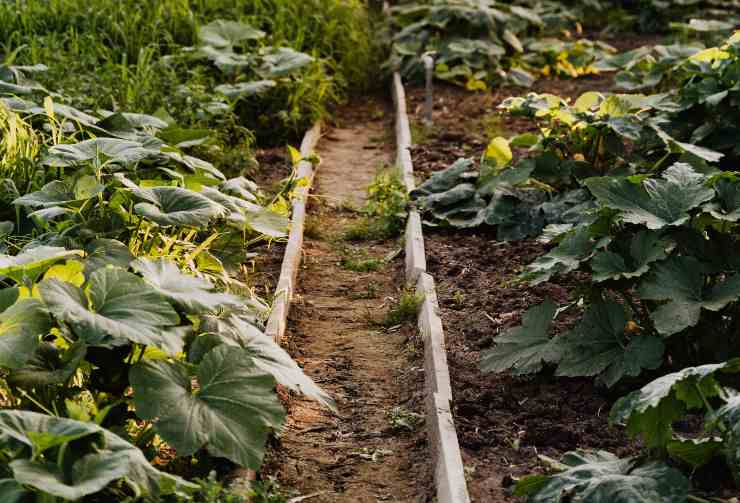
<point x="577" y="188"/>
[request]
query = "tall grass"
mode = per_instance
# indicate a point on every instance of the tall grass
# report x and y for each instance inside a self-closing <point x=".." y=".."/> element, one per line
<point x="109" y="53"/>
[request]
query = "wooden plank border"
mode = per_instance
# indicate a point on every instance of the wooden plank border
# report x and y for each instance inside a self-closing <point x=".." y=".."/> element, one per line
<point x="416" y="261"/>
<point x="449" y="475"/>
<point x="240" y="479"/>
<point x="277" y="322"/>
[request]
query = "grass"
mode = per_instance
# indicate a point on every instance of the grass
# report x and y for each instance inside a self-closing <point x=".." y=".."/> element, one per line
<point x="405" y="310"/>
<point x="358" y="261"/>
<point x="420" y="132"/>
<point x="314" y="228"/>
<point x="384" y="214"/>
<point x="123" y="54"/>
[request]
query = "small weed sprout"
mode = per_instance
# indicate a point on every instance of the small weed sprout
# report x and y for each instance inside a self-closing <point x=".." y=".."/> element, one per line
<point x="406" y="309"/>
<point x="402" y="419"/>
<point x="458" y="299"/>
<point x="313" y="229"/>
<point x="384" y="214"/>
<point x="361" y="264"/>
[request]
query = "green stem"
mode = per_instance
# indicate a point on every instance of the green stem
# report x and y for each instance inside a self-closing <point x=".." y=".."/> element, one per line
<point x="35" y="402"/>
<point x="60" y="455"/>
<point x="720" y="424"/>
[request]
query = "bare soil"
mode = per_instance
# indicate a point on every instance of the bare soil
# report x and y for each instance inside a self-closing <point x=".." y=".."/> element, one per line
<point x="503" y="422"/>
<point x="356" y="455"/>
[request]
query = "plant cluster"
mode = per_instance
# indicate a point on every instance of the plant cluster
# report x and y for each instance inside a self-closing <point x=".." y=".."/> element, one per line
<point x="637" y="195"/>
<point x="478" y="43"/>
<point x="131" y="55"/>
<point x="657" y="15"/>
<point x="130" y="350"/>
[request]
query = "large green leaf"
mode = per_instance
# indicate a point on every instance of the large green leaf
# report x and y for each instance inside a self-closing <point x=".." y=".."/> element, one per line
<point x="515" y="218"/>
<point x="525" y="348"/>
<point x="240" y="186"/>
<point x="58" y="192"/>
<point x="226" y="59"/>
<point x="191" y="293"/>
<point x="267" y="222"/>
<point x="270" y="357"/>
<point x="48" y="366"/>
<point x="11" y="491"/>
<point x="598" y="346"/>
<point x="244" y="89"/>
<point x="108" y="149"/>
<point x="89" y="474"/>
<point x="601" y="477"/>
<point x="168" y="206"/>
<point x="31" y="263"/>
<point x="40" y="432"/>
<point x="103" y="252"/>
<point x="651" y="410"/>
<point x="441" y="181"/>
<point x="21" y="328"/>
<point x="726" y="419"/>
<point x="681" y="282"/>
<point x="726" y="206"/>
<point x="567" y="256"/>
<point x="222" y="33"/>
<point x="645" y="248"/>
<point x="656" y="203"/>
<point x="114" y="307"/>
<point x="230" y="412"/>
<point x="282" y="61"/>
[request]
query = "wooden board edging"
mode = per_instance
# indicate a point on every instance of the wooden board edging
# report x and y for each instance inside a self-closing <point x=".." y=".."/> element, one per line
<point x="240" y="479"/>
<point x="449" y="474"/>
<point x="277" y="322"/>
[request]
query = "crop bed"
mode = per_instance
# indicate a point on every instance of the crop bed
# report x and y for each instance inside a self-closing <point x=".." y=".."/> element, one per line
<point x="516" y="422"/>
<point x="575" y="289"/>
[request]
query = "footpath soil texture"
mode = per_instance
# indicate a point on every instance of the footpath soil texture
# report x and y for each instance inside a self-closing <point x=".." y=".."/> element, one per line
<point x="503" y="422"/>
<point x="360" y="454"/>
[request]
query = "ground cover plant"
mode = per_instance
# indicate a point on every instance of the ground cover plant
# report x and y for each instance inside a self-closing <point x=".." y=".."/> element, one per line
<point x="476" y="44"/>
<point x="132" y="355"/>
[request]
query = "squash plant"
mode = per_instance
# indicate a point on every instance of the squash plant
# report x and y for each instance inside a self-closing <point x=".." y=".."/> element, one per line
<point x="123" y="332"/>
<point x="663" y="291"/>
<point x="478" y="43"/>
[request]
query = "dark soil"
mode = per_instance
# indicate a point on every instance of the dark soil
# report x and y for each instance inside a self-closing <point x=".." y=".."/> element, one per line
<point x="503" y="422"/>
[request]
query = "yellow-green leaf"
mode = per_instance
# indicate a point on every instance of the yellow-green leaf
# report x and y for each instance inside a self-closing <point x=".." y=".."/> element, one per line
<point x="710" y="54"/>
<point x="498" y="150"/>
<point x="587" y="101"/>
<point x="70" y="272"/>
<point x="295" y="155"/>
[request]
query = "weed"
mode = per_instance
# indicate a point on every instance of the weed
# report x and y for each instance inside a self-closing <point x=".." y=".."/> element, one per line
<point x="372" y="290"/>
<point x="406" y="309"/>
<point x="493" y="125"/>
<point x="402" y="419"/>
<point x="361" y="264"/>
<point x="267" y="491"/>
<point x="384" y="214"/>
<point x="458" y="299"/>
<point x="313" y="229"/>
<point x="420" y="133"/>
<point x="211" y="490"/>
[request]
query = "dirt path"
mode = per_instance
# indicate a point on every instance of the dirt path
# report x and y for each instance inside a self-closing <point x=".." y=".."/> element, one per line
<point x="356" y="456"/>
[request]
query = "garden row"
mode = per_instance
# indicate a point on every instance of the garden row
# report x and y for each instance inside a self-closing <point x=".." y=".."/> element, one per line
<point x="603" y="223"/>
<point x="133" y="354"/>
